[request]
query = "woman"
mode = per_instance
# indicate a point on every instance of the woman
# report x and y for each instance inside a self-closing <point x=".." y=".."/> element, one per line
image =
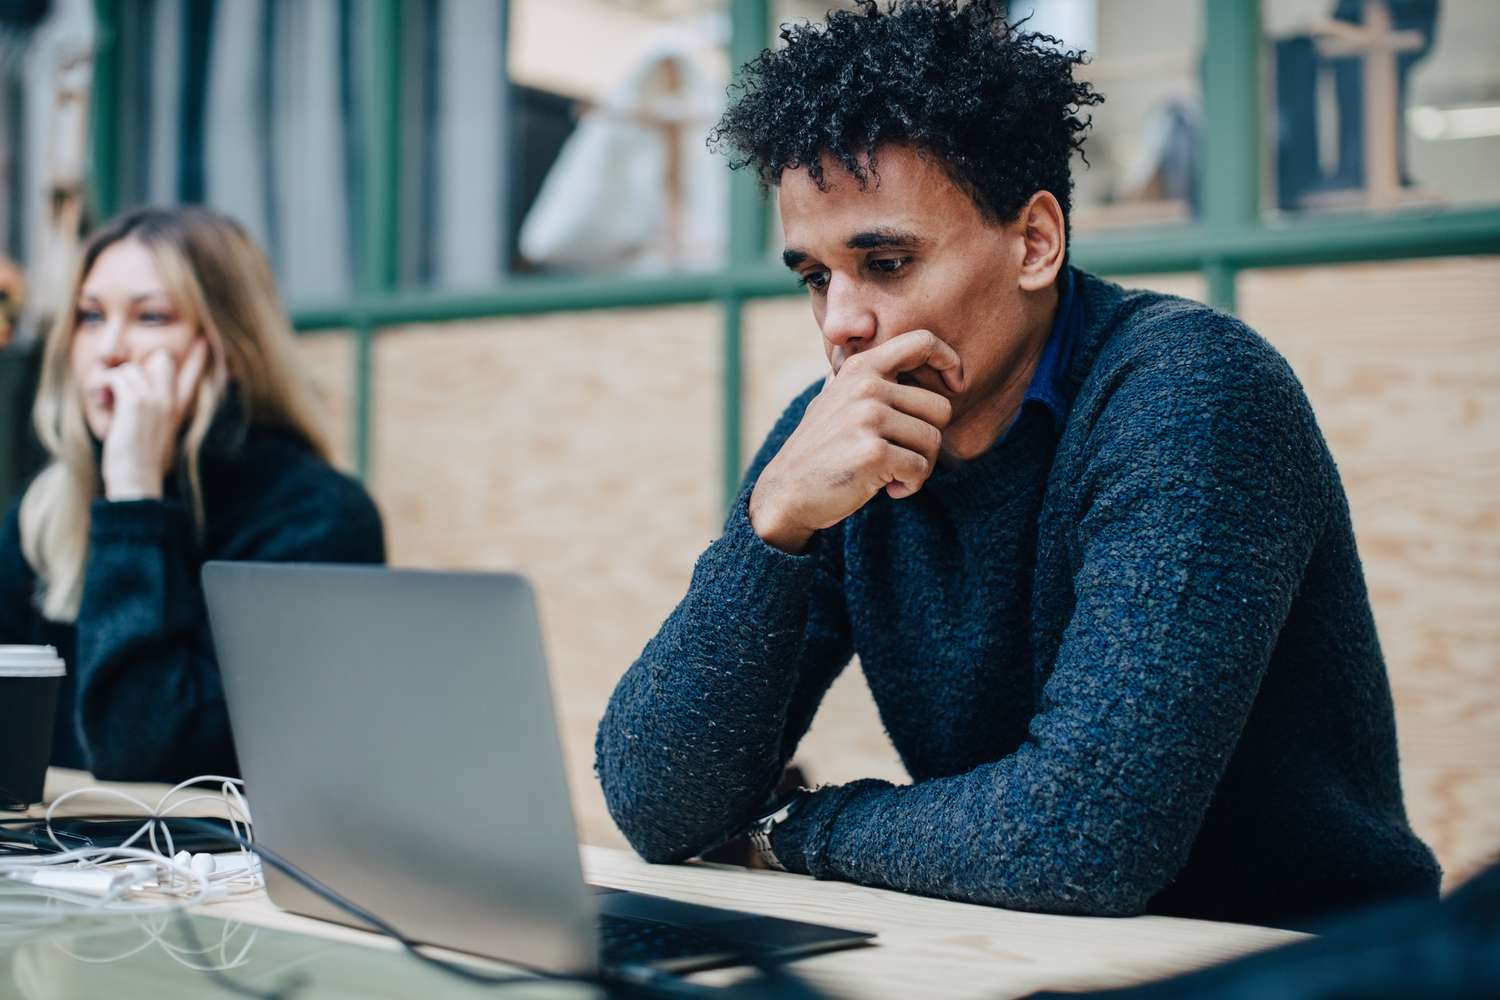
<point x="179" y="432"/>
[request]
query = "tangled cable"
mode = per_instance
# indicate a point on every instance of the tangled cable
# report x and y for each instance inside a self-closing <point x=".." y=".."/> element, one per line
<point x="144" y="873"/>
<point x="156" y="884"/>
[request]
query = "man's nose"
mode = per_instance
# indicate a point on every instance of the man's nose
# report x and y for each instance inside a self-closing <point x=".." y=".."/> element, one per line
<point x="848" y="321"/>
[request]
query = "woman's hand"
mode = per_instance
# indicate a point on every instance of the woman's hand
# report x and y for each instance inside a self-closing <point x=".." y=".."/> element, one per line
<point x="152" y="399"/>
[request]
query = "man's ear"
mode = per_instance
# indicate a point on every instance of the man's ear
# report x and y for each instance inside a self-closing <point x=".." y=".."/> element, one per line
<point x="1044" y="241"/>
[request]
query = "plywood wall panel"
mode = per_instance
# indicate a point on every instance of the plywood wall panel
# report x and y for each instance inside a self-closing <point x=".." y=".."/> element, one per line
<point x="327" y="361"/>
<point x="1402" y="364"/>
<point x="580" y="449"/>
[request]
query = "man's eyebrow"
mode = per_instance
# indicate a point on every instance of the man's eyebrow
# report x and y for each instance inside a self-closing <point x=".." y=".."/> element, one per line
<point x="883" y="238"/>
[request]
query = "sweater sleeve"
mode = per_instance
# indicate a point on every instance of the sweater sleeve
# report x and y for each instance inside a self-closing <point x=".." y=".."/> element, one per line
<point x="1206" y="487"/>
<point x="700" y="727"/>
<point x="150" y="702"/>
<point x="17" y="584"/>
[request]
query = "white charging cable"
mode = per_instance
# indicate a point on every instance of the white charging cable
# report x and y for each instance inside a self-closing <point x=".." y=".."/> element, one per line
<point x="132" y="879"/>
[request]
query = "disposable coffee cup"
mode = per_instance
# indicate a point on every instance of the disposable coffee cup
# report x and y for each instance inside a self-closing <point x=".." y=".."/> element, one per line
<point x="30" y="677"/>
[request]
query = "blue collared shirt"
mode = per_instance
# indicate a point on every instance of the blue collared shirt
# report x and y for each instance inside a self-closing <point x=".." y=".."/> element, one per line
<point x="1048" y="387"/>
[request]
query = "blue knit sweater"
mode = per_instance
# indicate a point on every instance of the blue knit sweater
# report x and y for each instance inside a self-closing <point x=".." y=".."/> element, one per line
<point x="1130" y="665"/>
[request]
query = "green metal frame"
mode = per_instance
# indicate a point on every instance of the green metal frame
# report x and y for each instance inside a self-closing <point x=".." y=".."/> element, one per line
<point x="104" y="110"/>
<point x="378" y="258"/>
<point x="1291" y="243"/>
<point x="1231" y="143"/>
<point x="1231" y="236"/>
<point x="749" y="33"/>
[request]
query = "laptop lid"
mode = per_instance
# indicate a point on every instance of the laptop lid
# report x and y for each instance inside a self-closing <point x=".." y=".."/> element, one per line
<point x="396" y="733"/>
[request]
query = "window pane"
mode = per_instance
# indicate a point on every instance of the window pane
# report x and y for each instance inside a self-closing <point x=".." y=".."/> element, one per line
<point x="1143" y="56"/>
<point x="250" y="107"/>
<point x="454" y="119"/>
<point x="1142" y="150"/>
<point x="1383" y="104"/>
<point x="609" y="173"/>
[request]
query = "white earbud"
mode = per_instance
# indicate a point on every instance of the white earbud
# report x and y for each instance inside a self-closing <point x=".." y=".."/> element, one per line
<point x="203" y="865"/>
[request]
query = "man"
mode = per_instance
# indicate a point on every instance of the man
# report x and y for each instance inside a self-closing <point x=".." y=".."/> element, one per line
<point x="1089" y="544"/>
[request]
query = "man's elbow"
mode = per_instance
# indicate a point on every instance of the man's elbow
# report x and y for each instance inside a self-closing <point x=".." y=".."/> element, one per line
<point x="658" y="839"/>
<point x="660" y="852"/>
<point x="664" y="820"/>
<point x="657" y="832"/>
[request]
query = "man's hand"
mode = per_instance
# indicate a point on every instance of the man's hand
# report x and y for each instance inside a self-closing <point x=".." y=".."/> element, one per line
<point x="865" y="432"/>
<point x="151" y="401"/>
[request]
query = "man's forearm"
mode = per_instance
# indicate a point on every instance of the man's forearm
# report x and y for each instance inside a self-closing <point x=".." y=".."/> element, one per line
<point x="693" y="736"/>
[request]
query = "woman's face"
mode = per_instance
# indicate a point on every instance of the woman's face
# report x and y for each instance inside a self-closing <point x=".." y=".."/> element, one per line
<point x="125" y="315"/>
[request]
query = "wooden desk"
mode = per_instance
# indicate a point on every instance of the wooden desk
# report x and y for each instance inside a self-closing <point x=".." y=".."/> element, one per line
<point x="926" y="947"/>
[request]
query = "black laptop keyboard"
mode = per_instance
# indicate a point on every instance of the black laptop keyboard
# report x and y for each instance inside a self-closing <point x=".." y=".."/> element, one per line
<point x="629" y="940"/>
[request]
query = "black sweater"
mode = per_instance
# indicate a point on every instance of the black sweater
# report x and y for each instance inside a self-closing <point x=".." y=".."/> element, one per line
<point x="1129" y="666"/>
<point x="142" y="700"/>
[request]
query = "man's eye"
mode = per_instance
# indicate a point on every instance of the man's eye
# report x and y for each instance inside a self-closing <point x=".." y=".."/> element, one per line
<point x="816" y="280"/>
<point x="889" y="265"/>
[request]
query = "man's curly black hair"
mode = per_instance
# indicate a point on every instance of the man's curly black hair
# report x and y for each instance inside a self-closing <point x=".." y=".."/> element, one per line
<point x="997" y="107"/>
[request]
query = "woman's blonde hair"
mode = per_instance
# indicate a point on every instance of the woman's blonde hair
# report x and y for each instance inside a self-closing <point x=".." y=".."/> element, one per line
<point x="223" y="284"/>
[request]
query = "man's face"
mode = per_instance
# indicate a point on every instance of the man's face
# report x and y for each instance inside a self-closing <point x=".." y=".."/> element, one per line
<point x="911" y="252"/>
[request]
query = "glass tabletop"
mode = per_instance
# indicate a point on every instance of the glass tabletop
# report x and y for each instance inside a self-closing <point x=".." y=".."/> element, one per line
<point x="165" y="956"/>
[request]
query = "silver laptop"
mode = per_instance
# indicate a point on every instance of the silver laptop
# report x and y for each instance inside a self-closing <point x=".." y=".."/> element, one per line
<point x="397" y="737"/>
